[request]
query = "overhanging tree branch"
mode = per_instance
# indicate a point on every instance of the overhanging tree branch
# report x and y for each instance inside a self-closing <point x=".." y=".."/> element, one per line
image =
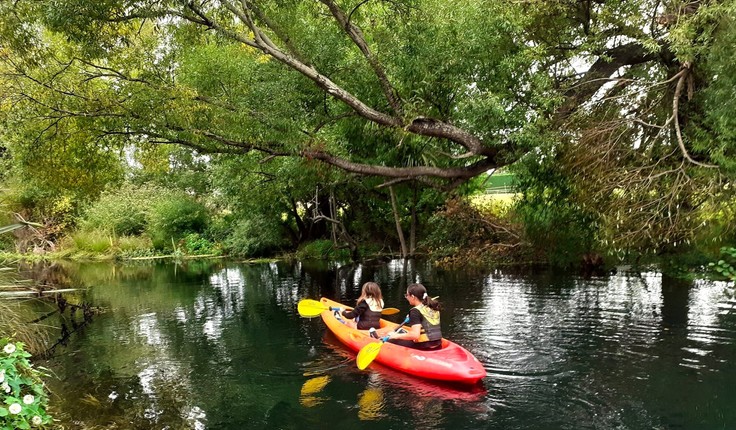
<point x="356" y="35"/>
<point x="596" y="76"/>
<point x="684" y="73"/>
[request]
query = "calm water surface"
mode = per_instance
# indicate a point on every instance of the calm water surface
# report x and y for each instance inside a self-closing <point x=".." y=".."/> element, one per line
<point x="220" y="346"/>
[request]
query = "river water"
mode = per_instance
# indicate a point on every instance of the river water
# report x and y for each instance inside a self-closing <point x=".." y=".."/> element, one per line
<point x="219" y="345"/>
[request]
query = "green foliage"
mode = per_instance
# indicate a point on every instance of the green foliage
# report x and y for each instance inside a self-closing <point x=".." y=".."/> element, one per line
<point x="171" y="167"/>
<point x="558" y="228"/>
<point x="725" y="267"/>
<point x="253" y="236"/>
<point x="448" y="233"/>
<point x="94" y="241"/>
<point x="56" y="210"/>
<point x="715" y="132"/>
<point x="462" y="233"/>
<point x="322" y="250"/>
<point x="86" y="84"/>
<point x="7" y="243"/>
<point x="122" y="210"/>
<point x="173" y="217"/>
<point x="134" y="246"/>
<point x="14" y="317"/>
<point x="24" y="395"/>
<point x="163" y="214"/>
<point x="195" y="244"/>
<point x="103" y="244"/>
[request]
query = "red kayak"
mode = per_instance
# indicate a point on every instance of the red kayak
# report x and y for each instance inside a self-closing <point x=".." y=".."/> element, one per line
<point x="449" y="363"/>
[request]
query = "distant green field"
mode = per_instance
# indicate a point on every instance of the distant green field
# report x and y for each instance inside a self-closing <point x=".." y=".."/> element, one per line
<point x="500" y="184"/>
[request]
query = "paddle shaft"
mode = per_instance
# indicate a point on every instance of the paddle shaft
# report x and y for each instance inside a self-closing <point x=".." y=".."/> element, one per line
<point x="398" y="327"/>
<point x="369" y="352"/>
<point x="312" y="308"/>
<point x="385" y="311"/>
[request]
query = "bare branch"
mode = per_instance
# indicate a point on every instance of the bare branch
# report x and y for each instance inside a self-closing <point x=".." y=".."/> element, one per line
<point x="356" y="35"/>
<point x="684" y="73"/>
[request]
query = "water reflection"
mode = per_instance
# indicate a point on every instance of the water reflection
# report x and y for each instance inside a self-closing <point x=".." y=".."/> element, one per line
<point x="371" y="403"/>
<point x="219" y="345"/>
<point x="309" y="396"/>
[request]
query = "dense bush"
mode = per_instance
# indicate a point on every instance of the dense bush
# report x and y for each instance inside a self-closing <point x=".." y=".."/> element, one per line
<point x="468" y="234"/>
<point x="173" y="217"/>
<point x="166" y="216"/>
<point x="253" y="236"/>
<point x="196" y="244"/>
<point x="123" y="210"/>
<point x="322" y="250"/>
<point x="57" y="211"/>
<point x="559" y="230"/>
<point x="725" y="267"/>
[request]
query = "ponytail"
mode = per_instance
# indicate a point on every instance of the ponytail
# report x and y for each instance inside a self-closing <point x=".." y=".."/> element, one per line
<point x="419" y="291"/>
<point x="432" y="303"/>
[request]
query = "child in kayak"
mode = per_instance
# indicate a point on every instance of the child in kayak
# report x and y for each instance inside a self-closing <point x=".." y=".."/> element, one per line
<point x="367" y="311"/>
<point x="424" y="321"/>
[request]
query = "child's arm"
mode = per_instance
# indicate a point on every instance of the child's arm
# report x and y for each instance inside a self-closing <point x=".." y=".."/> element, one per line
<point x="356" y="312"/>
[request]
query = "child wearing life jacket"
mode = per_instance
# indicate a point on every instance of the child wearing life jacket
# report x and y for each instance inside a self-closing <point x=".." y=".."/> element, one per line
<point x="424" y="321"/>
<point x="367" y="311"/>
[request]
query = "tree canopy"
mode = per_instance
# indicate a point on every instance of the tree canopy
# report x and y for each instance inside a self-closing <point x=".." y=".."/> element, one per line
<point x="631" y="99"/>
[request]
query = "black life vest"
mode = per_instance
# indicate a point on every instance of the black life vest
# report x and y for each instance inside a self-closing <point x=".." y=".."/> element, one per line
<point x="430" y="323"/>
<point x="370" y="318"/>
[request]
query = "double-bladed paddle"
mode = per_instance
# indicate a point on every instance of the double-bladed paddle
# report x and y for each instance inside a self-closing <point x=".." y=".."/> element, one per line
<point x="313" y="308"/>
<point x="369" y="352"/>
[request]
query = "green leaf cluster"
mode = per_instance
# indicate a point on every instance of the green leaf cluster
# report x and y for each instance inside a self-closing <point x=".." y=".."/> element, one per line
<point x="725" y="267"/>
<point x="21" y="388"/>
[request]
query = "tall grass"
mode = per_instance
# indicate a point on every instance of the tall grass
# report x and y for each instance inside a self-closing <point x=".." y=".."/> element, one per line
<point x="94" y="241"/>
<point x="101" y="244"/>
<point x="14" y="323"/>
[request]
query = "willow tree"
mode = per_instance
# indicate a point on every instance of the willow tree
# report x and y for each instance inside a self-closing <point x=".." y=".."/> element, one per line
<point x="470" y="86"/>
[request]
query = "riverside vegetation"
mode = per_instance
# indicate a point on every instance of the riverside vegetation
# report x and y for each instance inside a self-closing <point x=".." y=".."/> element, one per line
<point x="338" y="130"/>
<point x="350" y="130"/>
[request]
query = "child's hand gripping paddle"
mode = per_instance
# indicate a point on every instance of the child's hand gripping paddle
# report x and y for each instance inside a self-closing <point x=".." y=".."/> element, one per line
<point x="312" y="308"/>
<point x="369" y="352"/>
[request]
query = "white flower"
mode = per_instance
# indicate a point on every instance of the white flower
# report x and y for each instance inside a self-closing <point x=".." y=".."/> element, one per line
<point x="9" y="348"/>
<point x="28" y="399"/>
<point x="36" y="420"/>
<point x="5" y="387"/>
<point x="2" y="377"/>
<point x="15" y="408"/>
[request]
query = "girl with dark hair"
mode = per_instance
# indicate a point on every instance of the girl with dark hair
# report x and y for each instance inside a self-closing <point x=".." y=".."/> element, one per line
<point x="424" y="321"/>
<point x="367" y="311"/>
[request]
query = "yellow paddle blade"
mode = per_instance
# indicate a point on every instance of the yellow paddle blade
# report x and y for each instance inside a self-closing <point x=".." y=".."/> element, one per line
<point x="367" y="354"/>
<point x="390" y="311"/>
<point x="310" y="308"/>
